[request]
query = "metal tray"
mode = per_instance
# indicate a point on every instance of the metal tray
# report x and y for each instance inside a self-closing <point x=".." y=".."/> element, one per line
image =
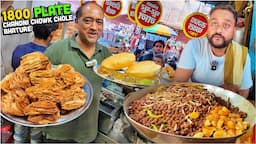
<point x="108" y="77"/>
<point x="63" y="119"/>
<point x="161" y="137"/>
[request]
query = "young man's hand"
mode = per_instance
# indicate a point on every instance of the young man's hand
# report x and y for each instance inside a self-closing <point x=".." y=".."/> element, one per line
<point x="236" y="89"/>
<point x="230" y="87"/>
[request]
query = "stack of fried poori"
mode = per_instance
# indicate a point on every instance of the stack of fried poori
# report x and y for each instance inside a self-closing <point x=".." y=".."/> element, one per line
<point x="41" y="93"/>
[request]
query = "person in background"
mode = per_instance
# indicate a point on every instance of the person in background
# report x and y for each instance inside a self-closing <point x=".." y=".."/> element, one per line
<point x="158" y="47"/>
<point x="43" y="34"/>
<point x="122" y="45"/>
<point x="172" y="50"/>
<point x="244" y="12"/>
<point x="216" y="59"/>
<point x="172" y="61"/>
<point x="82" y="51"/>
<point x="133" y="41"/>
<point x="138" y="53"/>
<point x="141" y="41"/>
<point x="170" y="43"/>
<point x="159" y="59"/>
<point x="252" y="55"/>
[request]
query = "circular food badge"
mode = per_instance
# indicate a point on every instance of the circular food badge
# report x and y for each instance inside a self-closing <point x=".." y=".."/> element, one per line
<point x="131" y="11"/>
<point x="195" y="25"/>
<point x="112" y="8"/>
<point x="148" y="13"/>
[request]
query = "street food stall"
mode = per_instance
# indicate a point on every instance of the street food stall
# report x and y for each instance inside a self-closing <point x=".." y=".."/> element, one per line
<point x="139" y="101"/>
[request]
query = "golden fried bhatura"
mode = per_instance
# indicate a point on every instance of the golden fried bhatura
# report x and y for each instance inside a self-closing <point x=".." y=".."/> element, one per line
<point x="118" y="61"/>
<point x="143" y="69"/>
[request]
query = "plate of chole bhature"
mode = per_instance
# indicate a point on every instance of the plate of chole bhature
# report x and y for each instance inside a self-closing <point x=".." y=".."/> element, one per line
<point x="123" y="69"/>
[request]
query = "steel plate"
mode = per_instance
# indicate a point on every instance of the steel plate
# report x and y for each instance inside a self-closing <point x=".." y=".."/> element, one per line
<point x="108" y="77"/>
<point x="63" y="119"/>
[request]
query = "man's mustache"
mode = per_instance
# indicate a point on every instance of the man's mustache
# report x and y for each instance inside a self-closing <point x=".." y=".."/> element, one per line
<point x="218" y="35"/>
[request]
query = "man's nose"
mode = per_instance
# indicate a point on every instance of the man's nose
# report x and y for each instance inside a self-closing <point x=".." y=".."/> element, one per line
<point x="219" y="29"/>
<point x="94" y="25"/>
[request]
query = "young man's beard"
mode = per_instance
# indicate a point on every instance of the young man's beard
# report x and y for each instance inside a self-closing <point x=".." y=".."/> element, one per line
<point x="219" y="46"/>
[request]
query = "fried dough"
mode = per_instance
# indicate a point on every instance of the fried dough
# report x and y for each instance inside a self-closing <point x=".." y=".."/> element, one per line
<point x="42" y="76"/>
<point x="118" y="61"/>
<point x="9" y="106"/>
<point x="63" y="68"/>
<point x="143" y="69"/>
<point x="74" y="98"/>
<point x="39" y="93"/>
<point x="15" y="81"/>
<point x="44" y="92"/>
<point x="41" y="107"/>
<point x="33" y="62"/>
<point x="44" y="118"/>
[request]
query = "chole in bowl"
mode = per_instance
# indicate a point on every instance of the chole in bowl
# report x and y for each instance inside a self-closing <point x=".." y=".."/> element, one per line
<point x="163" y="137"/>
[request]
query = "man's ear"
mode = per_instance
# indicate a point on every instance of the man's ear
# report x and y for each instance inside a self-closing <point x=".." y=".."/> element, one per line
<point x="50" y="37"/>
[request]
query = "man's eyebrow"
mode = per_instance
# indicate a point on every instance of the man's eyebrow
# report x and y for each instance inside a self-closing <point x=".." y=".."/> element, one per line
<point x="212" y="18"/>
<point x="88" y="17"/>
<point x="224" y="19"/>
<point x="228" y="20"/>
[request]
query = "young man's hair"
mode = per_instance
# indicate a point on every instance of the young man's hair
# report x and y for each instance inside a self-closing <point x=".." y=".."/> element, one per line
<point x="138" y="51"/>
<point x="42" y="31"/>
<point x="160" y="56"/>
<point x="158" y="41"/>
<point x="79" y="10"/>
<point x="143" y="32"/>
<point x="225" y="7"/>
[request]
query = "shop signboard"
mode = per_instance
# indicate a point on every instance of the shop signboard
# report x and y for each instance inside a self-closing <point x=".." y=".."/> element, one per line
<point x="195" y="25"/>
<point x="131" y="11"/>
<point x="148" y="13"/>
<point x="112" y="8"/>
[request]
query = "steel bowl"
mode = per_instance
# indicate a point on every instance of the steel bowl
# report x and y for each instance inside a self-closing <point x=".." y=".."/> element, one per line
<point x="162" y="137"/>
